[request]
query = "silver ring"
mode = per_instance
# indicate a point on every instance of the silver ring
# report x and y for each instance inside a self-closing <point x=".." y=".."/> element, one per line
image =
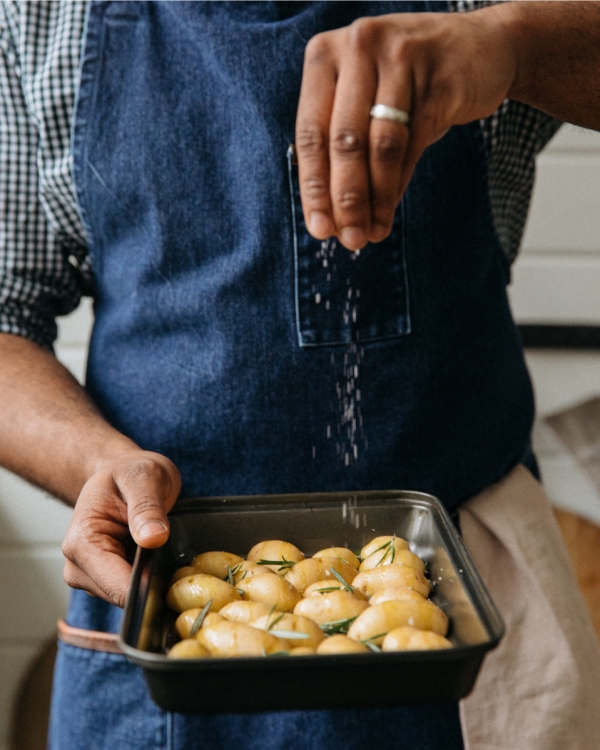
<point x="383" y="112"/>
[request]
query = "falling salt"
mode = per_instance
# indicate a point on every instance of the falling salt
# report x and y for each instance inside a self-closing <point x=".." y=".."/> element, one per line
<point x="314" y="451"/>
<point x="317" y="297"/>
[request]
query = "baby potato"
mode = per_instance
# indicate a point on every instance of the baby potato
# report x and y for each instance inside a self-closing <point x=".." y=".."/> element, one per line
<point x="216" y="563"/>
<point x="377" y="620"/>
<point x="188" y="649"/>
<point x="309" y="633"/>
<point x="196" y="590"/>
<point x="185" y="622"/>
<point x="342" y="552"/>
<point x="271" y="590"/>
<point x="412" y="639"/>
<point x="385" y="576"/>
<point x="380" y="542"/>
<point x="245" y="611"/>
<point x="326" y="587"/>
<point x="398" y="593"/>
<point x="341" y="644"/>
<point x="403" y="556"/>
<point x="236" y="639"/>
<point x="212" y="618"/>
<point x="280" y="553"/>
<point x="247" y="569"/>
<point x="337" y="605"/>
<point x="302" y="651"/>
<point x="187" y="570"/>
<point x="314" y="569"/>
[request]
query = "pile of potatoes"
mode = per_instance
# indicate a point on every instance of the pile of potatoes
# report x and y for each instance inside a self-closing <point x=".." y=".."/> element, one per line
<point x="277" y="601"/>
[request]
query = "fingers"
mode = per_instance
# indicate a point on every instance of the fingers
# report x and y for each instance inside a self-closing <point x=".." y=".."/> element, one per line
<point x="312" y="137"/>
<point x="149" y="490"/>
<point x="388" y="143"/>
<point x="135" y="493"/>
<point x="349" y="143"/>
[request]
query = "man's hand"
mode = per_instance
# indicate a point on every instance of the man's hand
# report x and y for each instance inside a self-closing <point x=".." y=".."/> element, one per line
<point x="131" y="494"/>
<point x="53" y="435"/>
<point x="443" y="69"/>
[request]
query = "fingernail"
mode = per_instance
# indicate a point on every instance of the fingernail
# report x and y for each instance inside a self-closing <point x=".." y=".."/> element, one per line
<point x="151" y="528"/>
<point x="320" y="225"/>
<point x="379" y="232"/>
<point x="353" y="238"/>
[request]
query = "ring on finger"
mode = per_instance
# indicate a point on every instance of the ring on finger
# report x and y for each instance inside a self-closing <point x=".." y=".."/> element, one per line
<point x="383" y="112"/>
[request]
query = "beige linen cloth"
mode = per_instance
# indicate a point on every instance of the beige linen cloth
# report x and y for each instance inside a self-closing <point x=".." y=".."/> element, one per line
<point x="540" y="689"/>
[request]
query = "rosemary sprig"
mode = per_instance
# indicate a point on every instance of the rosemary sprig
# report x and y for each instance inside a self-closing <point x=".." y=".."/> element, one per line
<point x="341" y="580"/>
<point x="368" y="642"/>
<point x="389" y="547"/>
<point x="337" y="626"/>
<point x="231" y="572"/>
<point x="283" y="563"/>
<point x="276" y="620"/>
<point x="290" y="635"/>
<point x="200" y="619"/>
<point x="328" y="589"/>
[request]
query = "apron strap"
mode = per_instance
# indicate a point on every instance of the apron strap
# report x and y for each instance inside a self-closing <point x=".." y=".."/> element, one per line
<point x="90" y="639"/>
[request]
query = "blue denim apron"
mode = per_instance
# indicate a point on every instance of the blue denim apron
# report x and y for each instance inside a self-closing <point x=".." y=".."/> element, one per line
<point x="255" y="357"/>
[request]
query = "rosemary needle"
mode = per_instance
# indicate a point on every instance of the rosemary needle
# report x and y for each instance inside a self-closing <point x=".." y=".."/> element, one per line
<point x="200" y="619"/>
<point x="341" y="580"/>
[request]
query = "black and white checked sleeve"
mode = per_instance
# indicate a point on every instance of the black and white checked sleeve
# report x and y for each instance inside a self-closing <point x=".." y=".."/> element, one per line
<point x="37" y="238"/>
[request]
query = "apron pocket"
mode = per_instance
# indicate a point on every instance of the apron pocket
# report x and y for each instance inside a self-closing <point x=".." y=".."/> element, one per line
<point x="344" y="297"/>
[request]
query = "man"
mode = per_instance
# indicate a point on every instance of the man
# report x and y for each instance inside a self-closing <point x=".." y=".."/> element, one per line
<point x="215" y="356"/>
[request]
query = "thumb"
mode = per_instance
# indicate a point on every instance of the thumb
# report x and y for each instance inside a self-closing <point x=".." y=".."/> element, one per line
<point x="149" y="486"/>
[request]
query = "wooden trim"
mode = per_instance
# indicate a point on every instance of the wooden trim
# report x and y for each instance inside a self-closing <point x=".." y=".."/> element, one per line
<point x="94" y="640"/>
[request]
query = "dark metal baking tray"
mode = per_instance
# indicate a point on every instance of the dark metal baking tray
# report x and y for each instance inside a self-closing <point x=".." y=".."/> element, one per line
<point x="280" y="682"/>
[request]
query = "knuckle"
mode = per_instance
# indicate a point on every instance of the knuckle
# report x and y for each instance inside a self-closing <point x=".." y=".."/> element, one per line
<point x="318" y="48"/>
<point x="361" y="34"/>
<point x="144" y="469"/>
<point x="387" y="148"/>
<point x="315" y="188"/>
<point x="142" y="506"/>
<point x="348" y="142"/>
<point x="311" y="141"/>
<point x="350" y="199"/>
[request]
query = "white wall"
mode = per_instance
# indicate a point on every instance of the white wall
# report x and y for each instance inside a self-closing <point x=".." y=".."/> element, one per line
<point x="555" y="280"/>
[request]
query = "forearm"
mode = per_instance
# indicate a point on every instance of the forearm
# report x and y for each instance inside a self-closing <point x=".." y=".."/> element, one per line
<point x="50" y="431"/>
<point x="557" y="51"/>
